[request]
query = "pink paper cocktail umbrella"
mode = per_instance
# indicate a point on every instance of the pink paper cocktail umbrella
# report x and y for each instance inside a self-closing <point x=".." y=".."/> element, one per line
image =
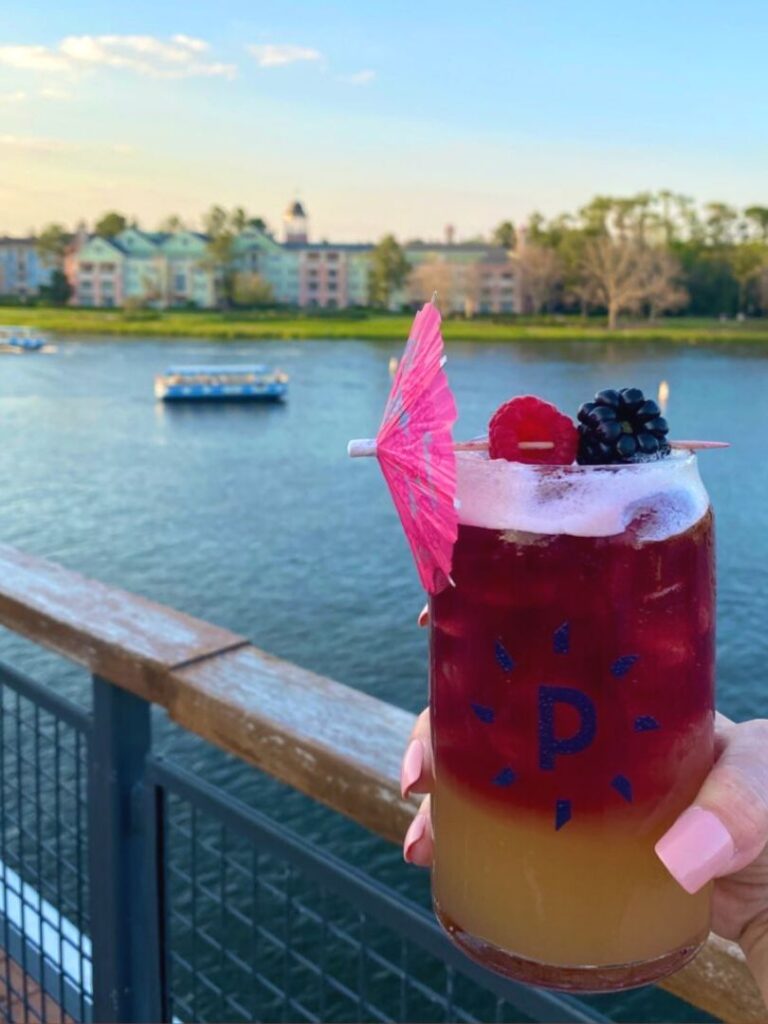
<point x="414" y="447"/>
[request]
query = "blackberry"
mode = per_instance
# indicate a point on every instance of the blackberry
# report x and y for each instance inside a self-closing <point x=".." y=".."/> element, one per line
<point x="621" y="426"/>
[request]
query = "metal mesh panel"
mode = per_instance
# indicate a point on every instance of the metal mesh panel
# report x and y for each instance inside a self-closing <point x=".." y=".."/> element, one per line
<point x="255" y="934"/>
<point x="45" y="963"/>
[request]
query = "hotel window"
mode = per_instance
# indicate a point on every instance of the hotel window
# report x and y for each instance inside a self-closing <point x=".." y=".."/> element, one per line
<point x="331" y="256"/>
<point x="331" y="286"/>
<point x="180" y="282"/>
<point x="86" y="268"/>
<point x="312" y="286"/>
<point x="313" y="256"/>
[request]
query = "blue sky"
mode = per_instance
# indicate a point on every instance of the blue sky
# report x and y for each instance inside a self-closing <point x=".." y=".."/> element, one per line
<point x="392" y="116"/>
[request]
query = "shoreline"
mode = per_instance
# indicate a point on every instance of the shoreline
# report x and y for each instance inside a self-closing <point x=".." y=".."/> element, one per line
<point x="214" y="326"/>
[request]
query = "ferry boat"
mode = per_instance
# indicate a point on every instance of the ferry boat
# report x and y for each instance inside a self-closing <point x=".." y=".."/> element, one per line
<point x="219" y="382"/>
<point x="15" y="340"/>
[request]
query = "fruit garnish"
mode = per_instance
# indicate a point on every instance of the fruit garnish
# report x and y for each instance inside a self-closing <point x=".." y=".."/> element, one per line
<point x="621" y="426"/>
<point x="530" y="419"/>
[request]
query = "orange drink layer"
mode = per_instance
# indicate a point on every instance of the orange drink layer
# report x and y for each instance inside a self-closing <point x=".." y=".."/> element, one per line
<point x="571" y="689"/>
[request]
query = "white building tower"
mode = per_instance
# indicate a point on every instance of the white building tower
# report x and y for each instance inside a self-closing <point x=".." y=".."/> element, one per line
<point x="295" y="224"/>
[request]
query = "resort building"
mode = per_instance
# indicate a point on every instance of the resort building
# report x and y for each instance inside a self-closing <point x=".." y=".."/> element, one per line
<point x="22" y="271"/>
<point x="176" y="269"/>
<point x="156" y="269"/>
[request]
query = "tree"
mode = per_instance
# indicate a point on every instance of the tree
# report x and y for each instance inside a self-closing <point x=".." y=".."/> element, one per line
<point x="721" y="223"/>
<point x="215" y="221"/>
<point x="757" y="217"/>
<point x="111" y="224"/>
<point x="238" y="219"/>
<point x="389" y="269"/>
<point x="172" y="223"/>
<point x="251" y="290"/>
<point x="220" y="252"/>
<point x="663" y="291"/>
<point x="746" y="261"/>
<point x="59" y="291"/>
<point x="434" y="275"/>
<point x="505" y="235"/>
<point x="52" y="245"/>
<point x="614" y="275"/>
<point x="257" y="222"/>
<point x="541" y="271"/>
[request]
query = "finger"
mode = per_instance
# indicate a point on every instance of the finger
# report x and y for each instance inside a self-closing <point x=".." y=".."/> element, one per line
<point x="423" y="618"/>
<point x="416" y="771"/>
<point x="418" y="845"/>
<point x="727" y="825"/>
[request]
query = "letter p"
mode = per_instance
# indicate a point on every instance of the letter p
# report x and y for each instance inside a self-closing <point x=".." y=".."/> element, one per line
<point x="551" y="745"/>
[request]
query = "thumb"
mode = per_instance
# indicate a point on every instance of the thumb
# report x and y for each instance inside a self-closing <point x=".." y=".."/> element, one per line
<point x="726" y="827"/>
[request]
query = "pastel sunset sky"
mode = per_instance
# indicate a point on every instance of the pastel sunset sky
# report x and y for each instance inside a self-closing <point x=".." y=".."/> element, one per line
<point x="396" y="116"/>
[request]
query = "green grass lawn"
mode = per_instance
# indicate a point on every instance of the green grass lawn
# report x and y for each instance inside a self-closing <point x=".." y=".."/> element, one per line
<point x="370" y="326"/>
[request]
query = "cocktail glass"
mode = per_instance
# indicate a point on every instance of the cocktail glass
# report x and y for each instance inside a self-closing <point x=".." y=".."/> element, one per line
<point x="572" y="704"/>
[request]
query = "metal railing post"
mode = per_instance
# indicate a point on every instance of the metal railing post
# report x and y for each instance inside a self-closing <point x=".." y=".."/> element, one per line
<point x="122" y="867"/>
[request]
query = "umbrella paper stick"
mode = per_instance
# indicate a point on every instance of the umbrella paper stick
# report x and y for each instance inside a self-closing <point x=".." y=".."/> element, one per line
<point x="480" y="444"/>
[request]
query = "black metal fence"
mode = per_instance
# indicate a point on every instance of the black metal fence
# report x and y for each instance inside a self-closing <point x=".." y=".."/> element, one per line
<point x="131" y="889"/>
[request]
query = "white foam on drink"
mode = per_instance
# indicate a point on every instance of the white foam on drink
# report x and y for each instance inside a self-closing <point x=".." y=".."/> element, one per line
<point x="664" y="497"/>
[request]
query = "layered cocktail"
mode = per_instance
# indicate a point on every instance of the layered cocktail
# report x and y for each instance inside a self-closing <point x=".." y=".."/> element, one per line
<point x="571" y="691"/>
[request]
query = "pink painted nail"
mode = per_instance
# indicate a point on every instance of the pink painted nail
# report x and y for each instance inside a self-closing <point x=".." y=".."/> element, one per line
<point x="415" y="834"/>
<point x="423" y="618"/>
<point x="413" y="762"/>
<point x="696" y="849"/>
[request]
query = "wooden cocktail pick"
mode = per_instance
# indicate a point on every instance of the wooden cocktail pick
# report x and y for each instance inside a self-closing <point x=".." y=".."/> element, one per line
<point x="480" y="444"/>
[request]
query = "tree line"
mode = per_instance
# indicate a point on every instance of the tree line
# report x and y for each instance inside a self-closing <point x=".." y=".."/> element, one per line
<point x="647" y="254"/>
<point x="650" y="253"/>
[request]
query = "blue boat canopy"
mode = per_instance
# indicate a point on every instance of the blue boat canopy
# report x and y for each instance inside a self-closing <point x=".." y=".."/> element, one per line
<point x="214" y="368"/>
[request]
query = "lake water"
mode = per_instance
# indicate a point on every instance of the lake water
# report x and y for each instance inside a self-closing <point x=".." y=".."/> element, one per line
<point x="254" y="518"/>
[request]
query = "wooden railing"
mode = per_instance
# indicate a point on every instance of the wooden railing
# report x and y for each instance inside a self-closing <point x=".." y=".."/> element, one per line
<point x="331" y="742"/>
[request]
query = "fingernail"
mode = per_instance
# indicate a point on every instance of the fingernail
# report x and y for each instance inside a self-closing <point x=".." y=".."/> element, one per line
<point x="414" y="834"/>
<point x="423" y="618"/>
<point x="413" y="762"/>
<point x="696" y="849"/>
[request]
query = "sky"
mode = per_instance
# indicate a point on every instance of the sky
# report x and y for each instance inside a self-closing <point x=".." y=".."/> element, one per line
<point x="381" y="116"/>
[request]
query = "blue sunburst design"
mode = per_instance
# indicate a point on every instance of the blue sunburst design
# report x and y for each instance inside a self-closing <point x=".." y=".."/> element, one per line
<point x="561" y="641"/>
<point x="485" y="714"/>
<point x="557" y="746"/>
<point x="505" y="777"/>
<point x="503" y="656"/>
<point x="646" y="723"/>
<point x="562" y="813"/>
<point x="621" y="666"/>
<point x="623" y="787"/>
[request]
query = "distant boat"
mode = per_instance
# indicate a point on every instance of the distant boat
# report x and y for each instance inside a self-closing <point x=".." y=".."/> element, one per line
<point x="221" y="383"/>
<point x="16" y="340"/>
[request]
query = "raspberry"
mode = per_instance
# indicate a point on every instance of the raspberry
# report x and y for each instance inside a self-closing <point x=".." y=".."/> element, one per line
<point x="527" y="418"/>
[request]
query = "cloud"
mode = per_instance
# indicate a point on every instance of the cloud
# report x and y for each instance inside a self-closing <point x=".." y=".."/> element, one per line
<point x="364" y="77"/>
<point x="8" y="99"/>
<point x="35" y="144"/>
<point x="52" y="93"/>
<point x="273" y="55"/>
<point x="33" y="58"/>
<point x="195" y="45"/>
<point x="149" y="56"/>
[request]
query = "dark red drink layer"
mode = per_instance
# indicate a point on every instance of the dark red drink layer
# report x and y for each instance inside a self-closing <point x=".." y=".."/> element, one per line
<point x="574" y="676"/>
